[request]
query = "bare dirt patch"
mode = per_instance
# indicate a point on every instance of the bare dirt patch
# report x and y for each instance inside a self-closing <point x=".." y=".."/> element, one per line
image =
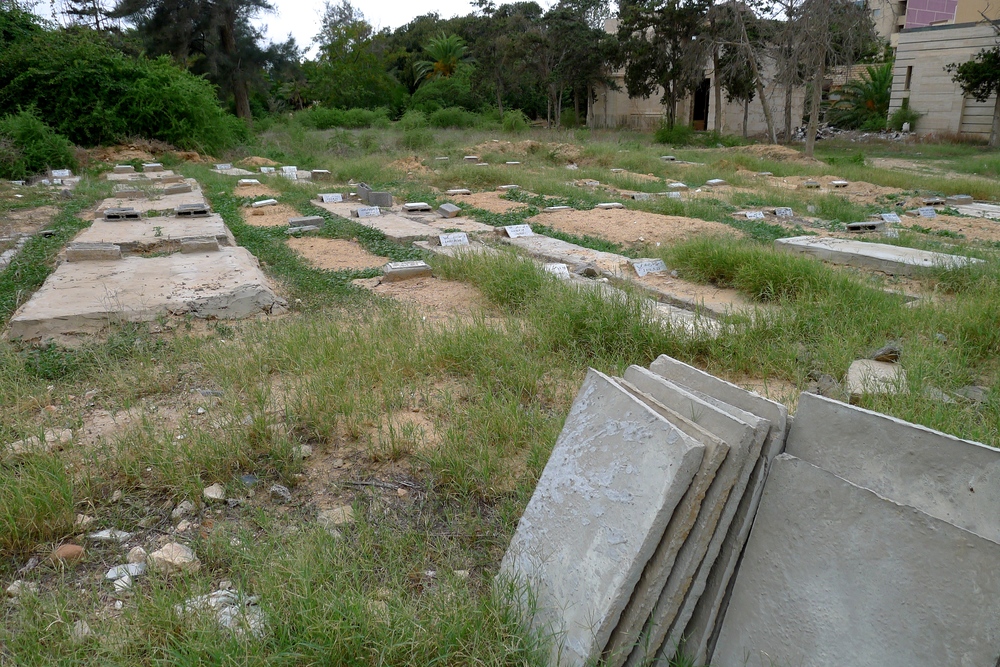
<point x="255" y="191"/>
<point x="563" y="152"/>
<point x="855" y="190"/>
<point x="629" y="227"/>
<point x="433" y="298"/>
<point x="335" y="254"/>
<point x="26" y="220"/>
<point x="269" y="216"/>
<point x="773" y="152"/>
<point x="255" y="161"/>
<point x="122" y="153"/>
<point x="489" y="201"/>
<point x="411" y="165"/>
<point x="976" y="229"/>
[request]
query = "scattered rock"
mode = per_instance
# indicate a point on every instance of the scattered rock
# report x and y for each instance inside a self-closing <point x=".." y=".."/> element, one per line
<point x="174" y="557"/>
<point x="280" y="493"/>
<point x="184" y="526"/>
<point x="936" y="394"/>
<point x="338" y="516"/>
<point x="83" y="521"/>
<point x="183" y="508"/>
<point x="68" y="553"/>
<point x="130" y="570"/>
<point x="215" y="492"/>
<point x="110" y="535"/>
<point x="249" y="480"/>
<point x="234" y="612"/>
<point x="402" y="493"/>
<point x="866" y="376"/>
<point x="116" y="496"/>
<point x="889" y="353"/>
<point x="54" y="441"/>
<point x="123" y="583"/>
<point x="30" y="565"/>
<point x="974" y="394"/>
<point x="21" y="587"/>
<point x="462" y="574"/>
<point x="302" y="451"/>
<point x="137" y="555"/>
<point x="80" y="632"/>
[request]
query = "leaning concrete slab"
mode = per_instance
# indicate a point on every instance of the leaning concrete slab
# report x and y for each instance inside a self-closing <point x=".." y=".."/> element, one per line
<point x="395" y="227"/>
<point x="155" y="234"/>
<point x="83" y="298"/>
<point x="835" y="574"/>
<point x="744" y="437"/>
<point x="602" y="504"/>
<point x="895" y="260"/>
<point x="655" y="574"/>
<point x="555" y="250"/>
<point x="954" y="480"/>
<point x="702" y="628"/>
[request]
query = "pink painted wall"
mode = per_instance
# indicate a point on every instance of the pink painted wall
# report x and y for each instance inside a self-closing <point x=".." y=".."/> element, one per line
<point x="920" y="13"/>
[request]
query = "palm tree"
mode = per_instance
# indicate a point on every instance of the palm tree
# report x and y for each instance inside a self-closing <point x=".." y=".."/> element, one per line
<point x="445" y="54"/>
<point x="864" y="103"/>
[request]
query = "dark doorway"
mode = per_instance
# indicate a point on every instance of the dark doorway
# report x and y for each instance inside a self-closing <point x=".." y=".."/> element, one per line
<point x="699" y="119"/>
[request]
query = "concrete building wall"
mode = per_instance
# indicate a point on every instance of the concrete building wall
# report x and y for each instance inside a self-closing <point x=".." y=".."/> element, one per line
<point x="972" y="11"/>
<point x="922" y="13"/>
<point x="920" y="76"/>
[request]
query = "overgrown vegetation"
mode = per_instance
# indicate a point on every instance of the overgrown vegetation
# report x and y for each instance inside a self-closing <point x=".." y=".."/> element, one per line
<point x="28" y="147"/>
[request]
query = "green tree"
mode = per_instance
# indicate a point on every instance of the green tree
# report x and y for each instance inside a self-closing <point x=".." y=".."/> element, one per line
<point x="446" y="54"/>
<point x="501" y="45"/>
<point x="864" y="102"/>
<point x="980" y="78"/>
<point x="656" y="41"/>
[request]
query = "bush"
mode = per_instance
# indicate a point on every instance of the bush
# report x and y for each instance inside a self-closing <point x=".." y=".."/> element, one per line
<point x="864" y="102"/>
<point x="678" y="135"/>
<point x="452" y="117"/>
<point x="441" y="93"/>
<point x="413" y="119"/>
<point x="94" y="94"/>
<point x="417" y="138"/>
<point x="904" y="114"/>
<point x="321" y="118"/>
<point x="28" y="146"/>
<point x="514" y="121"/>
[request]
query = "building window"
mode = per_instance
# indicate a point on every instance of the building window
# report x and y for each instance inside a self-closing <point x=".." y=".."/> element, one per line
<point x="877" y="13"/>
<point x="909" y="77"/>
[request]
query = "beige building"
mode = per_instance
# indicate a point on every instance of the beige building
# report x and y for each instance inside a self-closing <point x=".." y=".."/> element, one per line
<point x="614" y="108"/>
<point x="920" y="77"/>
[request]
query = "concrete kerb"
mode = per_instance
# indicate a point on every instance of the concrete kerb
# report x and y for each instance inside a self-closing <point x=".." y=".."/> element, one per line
<point x="829" y="567"/>
<point x="616" y="474"/>
<point x="744" y="437"/>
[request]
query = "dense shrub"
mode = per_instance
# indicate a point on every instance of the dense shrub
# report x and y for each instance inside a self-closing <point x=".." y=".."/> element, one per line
<point x="417" y="138"/>
<point x="441" y="93"/>
<point x="93" y="94"/>
<point x="904" y="114"/>
<point x="514" y="121"/>
<point x="452" y="117"/>
<point x="678" y="135"/>
<point x="28" y="146"/>
<point x="321" y="118"/>
<point x="413" y="119"/>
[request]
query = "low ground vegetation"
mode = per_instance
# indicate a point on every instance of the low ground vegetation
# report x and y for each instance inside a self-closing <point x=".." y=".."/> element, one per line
<point x="433" y="428"/>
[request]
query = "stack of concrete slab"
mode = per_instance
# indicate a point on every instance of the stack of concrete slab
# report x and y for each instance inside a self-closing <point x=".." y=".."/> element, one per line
<point x="876" y="543"/>
<point x="630" y="540"/>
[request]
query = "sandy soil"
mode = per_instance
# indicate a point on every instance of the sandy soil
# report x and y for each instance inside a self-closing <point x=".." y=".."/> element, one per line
<point x="772" y="152"/>
<point x="858" y="191"/>
<point x="567" y="152"/>
<point x="261" y="190"/>
<point x="26" y="220"/>
<point x="255" y="161"/>
<point x="335" y="254"/>
<point x="411" y="165"/>
<point x="978" y="229"/>
<point x="630" y="227"/>
<point x="489" y="201"/>
<point x="269" y="216"/>
<point x="433" y="298"/>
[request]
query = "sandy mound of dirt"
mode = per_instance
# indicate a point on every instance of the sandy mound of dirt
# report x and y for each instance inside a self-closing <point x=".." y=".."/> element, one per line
<point x="433" y="298"/>
<point x="269" y="216"/>
<point x="258" y="190"/>
<point x="255" y="161"/>
<point x="114" y="154"/>
<point x="858" y="191"/>
<point x="630" y="228"/>
<point x="566" y="152"/>
<point x="773" y="152"/>
<point x="411" y="165"/>
<point x="335" y="254"/>
<point x="489" y="201"/>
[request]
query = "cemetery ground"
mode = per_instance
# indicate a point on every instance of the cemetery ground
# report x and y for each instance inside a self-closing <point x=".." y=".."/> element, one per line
<point x="376" y="445"/>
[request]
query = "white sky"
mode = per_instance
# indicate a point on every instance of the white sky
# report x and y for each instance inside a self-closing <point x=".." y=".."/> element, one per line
<point x="301" y="18"/>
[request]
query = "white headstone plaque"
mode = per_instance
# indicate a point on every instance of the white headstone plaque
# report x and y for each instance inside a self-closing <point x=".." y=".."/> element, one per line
<point x="290" y="170"/>
<point x="61" y="173"/>
<point x="642" y="196"/>
<point x="331" y="198"/>
<point x="891" y="218"/>
<point x="647" y="266"/>
<point x="784" y="212"/>
<point x="517" y="231"/>
<point x="224" y="166"/>
<point x="755" y="215"/>
<point x="455" y="238"/>
<point x="891" y="233"/>
<point x="369" y="212"/>
<point x="267" y="170"/>
<point x="673" y="195"/>
<point x="560" y="271"/>
<point x="927" y="212"/>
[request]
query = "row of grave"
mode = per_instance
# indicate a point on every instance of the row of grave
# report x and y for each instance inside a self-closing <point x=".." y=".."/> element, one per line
<point x="679" y="513"/>
<point x="182" y="260"/>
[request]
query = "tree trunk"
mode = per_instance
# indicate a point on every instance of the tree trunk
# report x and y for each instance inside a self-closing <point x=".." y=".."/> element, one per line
<point x="771" y="137"/>
<point x="788" y="114"/>
<point x="559" y="99"/>
<point x="548" y="111"/>
<point x="241" y="93"/>
<point x="717" y="85"/>
<point x="576" y="103"/>
<point x="995" y="134"/>
<point x="746" y="116"/>
<point x="817" y="99"/>
<point x="499" y="102"/>
<point x="590" y="106"/>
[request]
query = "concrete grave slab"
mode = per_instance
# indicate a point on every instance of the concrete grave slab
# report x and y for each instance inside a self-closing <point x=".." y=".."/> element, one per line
<point x="959" y="200"/>
<point x="155" y="234"/>
<point x="954" y="480"/>
<point x="233" y="171"/>
<point x="396" y="271"/>
<point x="151" y="177"/>
<point x="744" y="438"/>
<point x="866" y="376"/>
<point x="205" y="244"/>
<point x="264" y="202"/>
<point x="610" y="205"/>
<point x="895" y="260"/>
<point x="123" y="169"/>
<point x="449" y="210"/>
<point x="980" y="210"/>
<point x="455" y="250"/>
<point x="150" y="167"/>
<point x="467" y="225"/>
<point x="555" y="250"/>
<point x="395" y="227"/>
<point x="382" y="199"/>
<point x="156" y="202"/>
<point x="302" y="229"/>
<point x="457" y="191"/>
<point x="307" y="220"/>
<point x="83" y="297"/>
<point x="702" y="629"/>
<point x="677" y="186"/>
<point x="124" y="194"/>
<point x="835" y="574"/>
<point x="553" y="209"/>
<point x="321" y="174"/>
<point x="192" y="211"/>
<point x="715" y="182"/>
<point x="417" y="207"/>
<point x="178" y="189"/>
<point x="615" y="476"/>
